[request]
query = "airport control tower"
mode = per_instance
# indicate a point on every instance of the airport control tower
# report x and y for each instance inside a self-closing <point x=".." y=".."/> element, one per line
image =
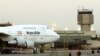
<point x="85" y="19"/>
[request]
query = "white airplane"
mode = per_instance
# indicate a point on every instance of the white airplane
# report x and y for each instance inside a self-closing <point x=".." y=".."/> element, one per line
<point x="26" y="36"/>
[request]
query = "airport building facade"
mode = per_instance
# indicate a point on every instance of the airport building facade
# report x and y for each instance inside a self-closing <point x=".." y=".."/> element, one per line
<point x="82" y="39"/>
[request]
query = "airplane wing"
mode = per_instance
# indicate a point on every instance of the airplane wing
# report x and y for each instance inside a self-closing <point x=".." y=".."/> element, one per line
<point x="4" y="34"/>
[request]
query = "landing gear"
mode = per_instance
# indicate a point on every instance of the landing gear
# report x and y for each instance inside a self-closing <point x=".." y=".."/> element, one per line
<point x="35" y="50"/>
<point x="42" y="49"/>
<point x="6" y="51"/>
<point x="38" y="49"/>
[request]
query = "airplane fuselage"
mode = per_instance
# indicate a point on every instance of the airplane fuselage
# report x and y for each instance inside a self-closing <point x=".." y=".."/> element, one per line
<point x="39" y="34"/>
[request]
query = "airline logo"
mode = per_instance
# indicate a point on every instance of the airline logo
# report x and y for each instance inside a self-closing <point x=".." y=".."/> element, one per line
<point x="32" y="32"/>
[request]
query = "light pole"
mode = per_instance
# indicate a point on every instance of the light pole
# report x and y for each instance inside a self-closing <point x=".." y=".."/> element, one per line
<point x="65" y="43"/>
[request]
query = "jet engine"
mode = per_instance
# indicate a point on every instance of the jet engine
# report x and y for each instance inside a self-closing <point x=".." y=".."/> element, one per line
<point x="29" y="44"/>
<point x="22" y="43"/>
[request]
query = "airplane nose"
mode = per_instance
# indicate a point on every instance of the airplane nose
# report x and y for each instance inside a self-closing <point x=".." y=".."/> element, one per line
<point x="58" y="36"/>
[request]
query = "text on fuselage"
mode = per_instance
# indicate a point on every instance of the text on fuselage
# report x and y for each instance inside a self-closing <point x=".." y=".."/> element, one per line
<point x="33" y="32"/>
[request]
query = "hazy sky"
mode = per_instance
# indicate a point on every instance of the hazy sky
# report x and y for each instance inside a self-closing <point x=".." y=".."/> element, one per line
<point x="47" y="12"/>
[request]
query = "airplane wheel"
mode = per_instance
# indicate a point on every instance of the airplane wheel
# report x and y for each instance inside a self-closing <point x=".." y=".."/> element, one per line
<point x="35" y="50"/>
<point x="41" y="50"/>
<point x="6" y="51"/>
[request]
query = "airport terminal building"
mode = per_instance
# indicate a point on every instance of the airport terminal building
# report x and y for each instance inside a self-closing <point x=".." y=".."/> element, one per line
<point x="83" y="39"/>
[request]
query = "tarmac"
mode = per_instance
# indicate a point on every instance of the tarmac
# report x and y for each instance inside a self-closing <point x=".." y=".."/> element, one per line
<point x="59" y="53"/>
